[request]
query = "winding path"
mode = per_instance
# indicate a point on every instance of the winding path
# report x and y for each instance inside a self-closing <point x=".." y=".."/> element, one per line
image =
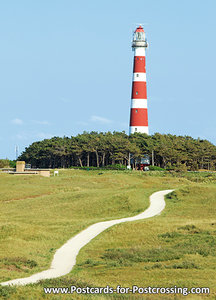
<point x="65" y="257"/>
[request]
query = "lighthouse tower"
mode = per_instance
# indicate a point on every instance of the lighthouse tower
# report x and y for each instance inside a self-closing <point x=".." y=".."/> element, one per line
<point x="139" y="112"/>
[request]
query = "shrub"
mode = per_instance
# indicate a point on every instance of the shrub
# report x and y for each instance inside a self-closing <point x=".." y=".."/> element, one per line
<point x="4" y="163"/>
<point x="6" y="292"/>
<point x="12" y="163"/>
<point x="156" y="168"/>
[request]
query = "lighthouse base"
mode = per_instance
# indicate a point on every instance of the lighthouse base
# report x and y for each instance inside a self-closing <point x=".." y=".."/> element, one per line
<point x="140" y="129"/>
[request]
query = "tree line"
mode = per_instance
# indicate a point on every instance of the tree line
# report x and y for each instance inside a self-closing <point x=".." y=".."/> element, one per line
<point x="101" y="149"/>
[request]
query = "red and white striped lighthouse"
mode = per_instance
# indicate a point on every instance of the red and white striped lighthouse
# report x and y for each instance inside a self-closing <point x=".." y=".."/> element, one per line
<point x="139" y="112"/>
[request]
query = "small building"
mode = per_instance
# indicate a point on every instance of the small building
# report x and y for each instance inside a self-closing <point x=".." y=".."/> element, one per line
<point x="141" y="163"/>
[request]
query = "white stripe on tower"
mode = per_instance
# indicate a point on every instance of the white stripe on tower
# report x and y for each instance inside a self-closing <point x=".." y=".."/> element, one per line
<point x="139" y="112"/>
<point x="142" y="129"/>
<point x="139" y="77"/>
<point x="138" y="103"/>
<point x="139" y="51"/>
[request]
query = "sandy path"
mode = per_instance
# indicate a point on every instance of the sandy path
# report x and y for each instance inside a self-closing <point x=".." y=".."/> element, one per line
<point x="65" y="257"/>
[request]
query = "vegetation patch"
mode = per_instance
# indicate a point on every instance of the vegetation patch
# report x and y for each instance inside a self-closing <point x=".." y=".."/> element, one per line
<point x="127" y="256"/>
<point x="7" y="292"/>
<point x="174" y="196"/>
<point x="65" y="282"/>
<point x="187" y="240"/>
<point x="17" y="263"/>
<point x="191" y="240"/>
<point x="183" y="265"/>
<point x="90" y="263"/>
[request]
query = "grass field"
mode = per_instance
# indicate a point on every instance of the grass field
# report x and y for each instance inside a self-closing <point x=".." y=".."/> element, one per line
<point x="176" y="248"/>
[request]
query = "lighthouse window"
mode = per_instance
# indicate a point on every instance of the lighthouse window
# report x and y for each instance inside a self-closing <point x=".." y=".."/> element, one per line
<point x="136" y="93"/>
<point x="136" y="111"/>
<point x="135" y="129"/>
<point x="137" y="75"/>
<point x="137" y="58"/>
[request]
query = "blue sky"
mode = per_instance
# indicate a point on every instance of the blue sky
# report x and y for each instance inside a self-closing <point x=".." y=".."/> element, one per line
<point x="66" y="67"/>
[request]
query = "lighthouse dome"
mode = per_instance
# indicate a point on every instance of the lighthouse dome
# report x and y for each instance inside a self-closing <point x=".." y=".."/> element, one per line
<point x="139" y="29"/>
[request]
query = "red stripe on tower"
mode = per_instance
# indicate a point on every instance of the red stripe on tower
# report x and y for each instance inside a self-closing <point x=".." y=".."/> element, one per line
<point x="139" y="90"/>
<point x="139" y="117"/>
<point x="139" y="64"/>
<point x="139" y="111"/>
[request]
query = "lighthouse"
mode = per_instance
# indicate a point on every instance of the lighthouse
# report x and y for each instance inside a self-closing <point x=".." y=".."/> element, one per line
<point x="139" y="111"/>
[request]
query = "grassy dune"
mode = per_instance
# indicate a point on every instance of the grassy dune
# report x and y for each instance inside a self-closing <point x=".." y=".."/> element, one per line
<point x="176" y="248"/>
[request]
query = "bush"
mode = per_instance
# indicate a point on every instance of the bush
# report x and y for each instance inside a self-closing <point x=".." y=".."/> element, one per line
<point x="7" y="291"/>
<point x="116" y="167"/>
<point x="12" y="163"/>
<point x="108" y="167"/>
<point x="4" y="163"/>
<point x="156" y="168"/>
